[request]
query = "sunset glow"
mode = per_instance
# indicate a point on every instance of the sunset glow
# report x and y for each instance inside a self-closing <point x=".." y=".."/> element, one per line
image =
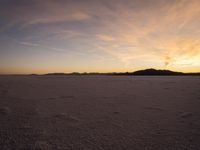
<point x="99" y="35"/>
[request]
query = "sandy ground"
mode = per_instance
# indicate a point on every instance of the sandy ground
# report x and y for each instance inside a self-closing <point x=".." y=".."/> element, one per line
<point x="99" y="113"/>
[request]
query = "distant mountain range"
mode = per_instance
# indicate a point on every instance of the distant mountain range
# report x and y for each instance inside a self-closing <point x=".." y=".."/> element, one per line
<point x="146" y="72"/>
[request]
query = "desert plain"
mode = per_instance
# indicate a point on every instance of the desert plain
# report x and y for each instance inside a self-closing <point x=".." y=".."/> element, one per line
<point x="99" y="112"/>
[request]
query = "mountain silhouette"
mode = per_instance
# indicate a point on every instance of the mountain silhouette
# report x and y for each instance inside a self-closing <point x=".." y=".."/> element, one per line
<point x="146" y="72"/>
<point x="156" y="72"/>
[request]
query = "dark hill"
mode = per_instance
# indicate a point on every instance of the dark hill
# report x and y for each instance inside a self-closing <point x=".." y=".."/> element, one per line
<point x="156" y="72"/>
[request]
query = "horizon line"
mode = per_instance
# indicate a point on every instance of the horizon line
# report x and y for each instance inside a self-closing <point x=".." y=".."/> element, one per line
<point x="82" y="73"/>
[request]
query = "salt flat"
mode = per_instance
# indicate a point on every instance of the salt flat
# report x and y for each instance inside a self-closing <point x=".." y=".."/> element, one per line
<point x="99" y="113"/>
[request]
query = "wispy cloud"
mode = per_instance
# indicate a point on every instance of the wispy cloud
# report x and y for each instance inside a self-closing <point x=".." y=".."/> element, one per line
<point x="105" y="37"/>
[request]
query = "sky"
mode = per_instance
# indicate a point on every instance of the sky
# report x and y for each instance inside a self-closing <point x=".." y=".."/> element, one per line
<point x="43" y="36"/>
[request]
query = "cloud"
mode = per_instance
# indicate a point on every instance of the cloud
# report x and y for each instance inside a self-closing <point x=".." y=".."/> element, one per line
<point x="105" y="37"/>
<point x="168" y="60"/>
<point x="57" y="17"/>
<point x="42" y="12"/>
<point x="43" y="47"/>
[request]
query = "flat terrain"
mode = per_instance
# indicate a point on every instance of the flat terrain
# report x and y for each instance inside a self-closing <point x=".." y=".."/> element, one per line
<point x="99" y="113"/>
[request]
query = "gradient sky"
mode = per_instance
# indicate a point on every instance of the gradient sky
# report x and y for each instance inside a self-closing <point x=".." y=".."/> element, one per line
<point x="41" y="36"/>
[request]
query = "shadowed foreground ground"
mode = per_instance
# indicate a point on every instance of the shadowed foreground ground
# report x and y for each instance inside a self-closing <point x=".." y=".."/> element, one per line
<point x="99" y="113"/>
